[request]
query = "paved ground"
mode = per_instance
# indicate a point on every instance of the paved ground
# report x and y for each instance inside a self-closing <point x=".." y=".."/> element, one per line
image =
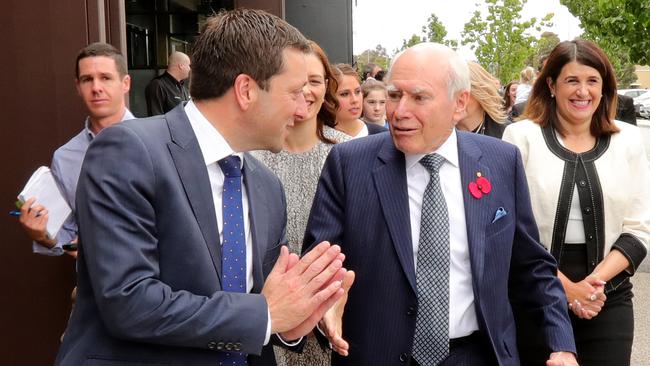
<point x="641" y="348"/>
<point x="641" y="281"/>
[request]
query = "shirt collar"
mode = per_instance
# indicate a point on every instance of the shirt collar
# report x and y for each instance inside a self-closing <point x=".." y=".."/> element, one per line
<point x="125" y="117"/>
<point x="448" y="150"/>
<point x="213" y="145"/>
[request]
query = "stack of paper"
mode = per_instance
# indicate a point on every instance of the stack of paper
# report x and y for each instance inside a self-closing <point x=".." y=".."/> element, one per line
<point x="42" y="186"/>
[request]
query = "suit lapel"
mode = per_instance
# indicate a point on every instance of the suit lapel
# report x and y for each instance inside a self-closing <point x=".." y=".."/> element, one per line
<point x="477" y="211"/>
<point x="390" y="181"/>
<point x="258" y="213"/>
<point x="190" y="165"/>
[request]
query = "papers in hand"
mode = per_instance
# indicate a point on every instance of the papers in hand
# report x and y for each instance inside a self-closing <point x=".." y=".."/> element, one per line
<point x="42" y="186"/>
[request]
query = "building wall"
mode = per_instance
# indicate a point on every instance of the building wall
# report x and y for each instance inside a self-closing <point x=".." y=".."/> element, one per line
<point x="40" y="111"/>
<point x="643" y="74"/>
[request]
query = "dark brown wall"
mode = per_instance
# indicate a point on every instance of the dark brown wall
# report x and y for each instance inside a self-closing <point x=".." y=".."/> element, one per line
<point x="275" y="7"/>
<point x="40" y="111"/>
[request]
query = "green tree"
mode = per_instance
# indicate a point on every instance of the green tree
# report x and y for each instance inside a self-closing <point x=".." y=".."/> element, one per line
<point x="620" y="28"/>
<point x="406" y="43"/>
<point x="543" y="47"/>
<point x="378" y="56"/>
<point x="501" y="40"/>
<point x="624" y="23"/>
<point x="435" y="31"/>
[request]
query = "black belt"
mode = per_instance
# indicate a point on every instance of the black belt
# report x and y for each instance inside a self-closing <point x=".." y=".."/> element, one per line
<point x="462" y="341"/>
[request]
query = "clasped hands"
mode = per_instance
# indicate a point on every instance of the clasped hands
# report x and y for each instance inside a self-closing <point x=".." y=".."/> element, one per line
<point x="299" y="291"/>
<point x="587" y="297"/>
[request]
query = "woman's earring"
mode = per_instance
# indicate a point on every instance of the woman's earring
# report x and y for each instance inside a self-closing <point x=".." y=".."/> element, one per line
<point x="552" y="95"/>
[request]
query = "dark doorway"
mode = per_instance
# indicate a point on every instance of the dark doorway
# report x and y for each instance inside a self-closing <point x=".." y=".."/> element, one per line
<point x="154" y="29"/>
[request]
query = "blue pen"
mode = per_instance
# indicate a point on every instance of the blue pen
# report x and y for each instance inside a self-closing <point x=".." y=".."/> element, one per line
<point x="14" y="213"/>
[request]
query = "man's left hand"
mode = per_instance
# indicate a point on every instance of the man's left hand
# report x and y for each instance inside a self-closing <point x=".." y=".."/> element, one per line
<point x="562" y="359"/>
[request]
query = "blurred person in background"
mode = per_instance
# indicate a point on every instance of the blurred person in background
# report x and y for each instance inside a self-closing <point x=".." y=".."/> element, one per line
<point x="485" y="114"/>
<point x="374" y="102"/>
<point x="509" y="96"/>
<point x="350" y="99"/>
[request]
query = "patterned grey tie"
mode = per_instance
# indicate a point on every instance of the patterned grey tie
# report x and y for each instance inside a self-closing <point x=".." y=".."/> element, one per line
<point x="431" y="343"/>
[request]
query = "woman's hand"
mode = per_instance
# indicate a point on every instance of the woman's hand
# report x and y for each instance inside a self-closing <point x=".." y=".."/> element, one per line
<point x="586" y="298"/>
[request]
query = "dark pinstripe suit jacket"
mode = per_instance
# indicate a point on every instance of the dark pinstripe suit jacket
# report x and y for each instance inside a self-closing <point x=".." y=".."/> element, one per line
<point x="362" y="203"/>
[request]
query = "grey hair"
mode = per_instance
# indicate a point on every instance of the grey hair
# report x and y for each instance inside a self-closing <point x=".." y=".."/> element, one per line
<point x="458" y="73"/>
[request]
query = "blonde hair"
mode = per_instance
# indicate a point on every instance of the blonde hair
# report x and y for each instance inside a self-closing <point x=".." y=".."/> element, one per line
<point x="527" y="75"/>
<point x="484" y="90"/>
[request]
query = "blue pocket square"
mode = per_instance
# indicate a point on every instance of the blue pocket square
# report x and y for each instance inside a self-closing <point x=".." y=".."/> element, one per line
<point x="499" y="214"/>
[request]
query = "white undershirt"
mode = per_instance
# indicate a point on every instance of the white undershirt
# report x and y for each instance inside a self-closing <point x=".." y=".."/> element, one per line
<point x="575" y="230"/>
<point x="462" y="316"/>
<point x="214" y="148"/>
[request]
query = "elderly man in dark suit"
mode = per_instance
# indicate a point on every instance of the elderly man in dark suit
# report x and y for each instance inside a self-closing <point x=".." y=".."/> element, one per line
<point x="182" y="258"/>
<point x="438" y="227"/>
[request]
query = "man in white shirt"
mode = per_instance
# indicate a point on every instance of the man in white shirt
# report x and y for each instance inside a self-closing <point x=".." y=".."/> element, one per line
<point x="182" y="258"/>
<point x="438" y="227"/>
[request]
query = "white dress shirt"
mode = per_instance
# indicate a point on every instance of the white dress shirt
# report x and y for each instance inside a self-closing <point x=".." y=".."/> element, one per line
<point x="462" y="316"/>
<point x="214" y="148"/>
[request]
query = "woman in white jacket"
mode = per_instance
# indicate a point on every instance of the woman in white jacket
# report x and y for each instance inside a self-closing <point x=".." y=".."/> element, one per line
<point x="590" y="190"/>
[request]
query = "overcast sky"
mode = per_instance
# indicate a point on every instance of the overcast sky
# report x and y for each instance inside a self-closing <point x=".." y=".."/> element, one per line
<point x="388" y="22"/>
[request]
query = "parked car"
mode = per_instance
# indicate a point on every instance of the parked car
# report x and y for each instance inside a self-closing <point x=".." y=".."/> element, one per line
<point x="632" y="93"/>
<point x="642" y="100"/>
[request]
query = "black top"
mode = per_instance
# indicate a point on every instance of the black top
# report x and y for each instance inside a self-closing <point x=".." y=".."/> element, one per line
<point x="164" y="93"/>
<point x="491" y="128"/>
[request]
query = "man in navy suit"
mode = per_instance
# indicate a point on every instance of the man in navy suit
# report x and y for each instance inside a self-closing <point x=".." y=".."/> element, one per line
<point x="371" y="201"/>
<point x="156" y="267"/>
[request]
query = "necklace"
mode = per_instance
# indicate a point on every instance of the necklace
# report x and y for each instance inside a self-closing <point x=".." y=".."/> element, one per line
<point x="481" y="128"/>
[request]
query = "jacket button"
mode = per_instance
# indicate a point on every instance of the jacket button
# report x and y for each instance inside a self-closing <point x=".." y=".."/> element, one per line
<point x="212" y="345"/>
<point x="410" y="311"/>
<point x="590" y="237"/>
<point x="587" y="210"/>
<point x="582" y="183"/>
<point x="403" y="357"/>
<point x="593" y="263"/>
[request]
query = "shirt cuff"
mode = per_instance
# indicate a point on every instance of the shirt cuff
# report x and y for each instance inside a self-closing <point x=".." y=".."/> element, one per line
<point x="267" y="337"/>
<point x="268" y="334"/>
<point x="41" y="249"/>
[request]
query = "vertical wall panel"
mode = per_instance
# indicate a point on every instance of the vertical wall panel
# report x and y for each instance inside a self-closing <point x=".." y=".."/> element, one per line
<point x="40" y="111"/>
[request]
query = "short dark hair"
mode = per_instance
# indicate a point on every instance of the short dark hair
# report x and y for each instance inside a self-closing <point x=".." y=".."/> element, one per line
<point x="541" y="106"/>
<point x="102" y="49"/>
<point x="241" y="41"/>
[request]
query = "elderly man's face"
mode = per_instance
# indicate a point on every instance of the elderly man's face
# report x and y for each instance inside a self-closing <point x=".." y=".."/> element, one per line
<point x="421" y="114"/>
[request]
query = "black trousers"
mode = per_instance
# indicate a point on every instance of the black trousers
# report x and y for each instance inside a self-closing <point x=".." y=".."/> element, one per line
<point x="602" y="341"/>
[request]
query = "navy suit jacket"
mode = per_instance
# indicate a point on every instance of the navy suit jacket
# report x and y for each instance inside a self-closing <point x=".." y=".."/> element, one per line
<point x="362" y="204"/>
<point x="149" y="263"/>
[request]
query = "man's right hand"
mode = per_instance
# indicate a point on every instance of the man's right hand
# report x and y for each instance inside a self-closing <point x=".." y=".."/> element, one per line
<point x="299" y="292"/>
<point x="332" y="323"/>
<point x="34" y="220"/>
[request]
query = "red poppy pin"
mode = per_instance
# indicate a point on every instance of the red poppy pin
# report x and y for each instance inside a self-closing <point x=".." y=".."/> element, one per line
<point x="480" y="187"/>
